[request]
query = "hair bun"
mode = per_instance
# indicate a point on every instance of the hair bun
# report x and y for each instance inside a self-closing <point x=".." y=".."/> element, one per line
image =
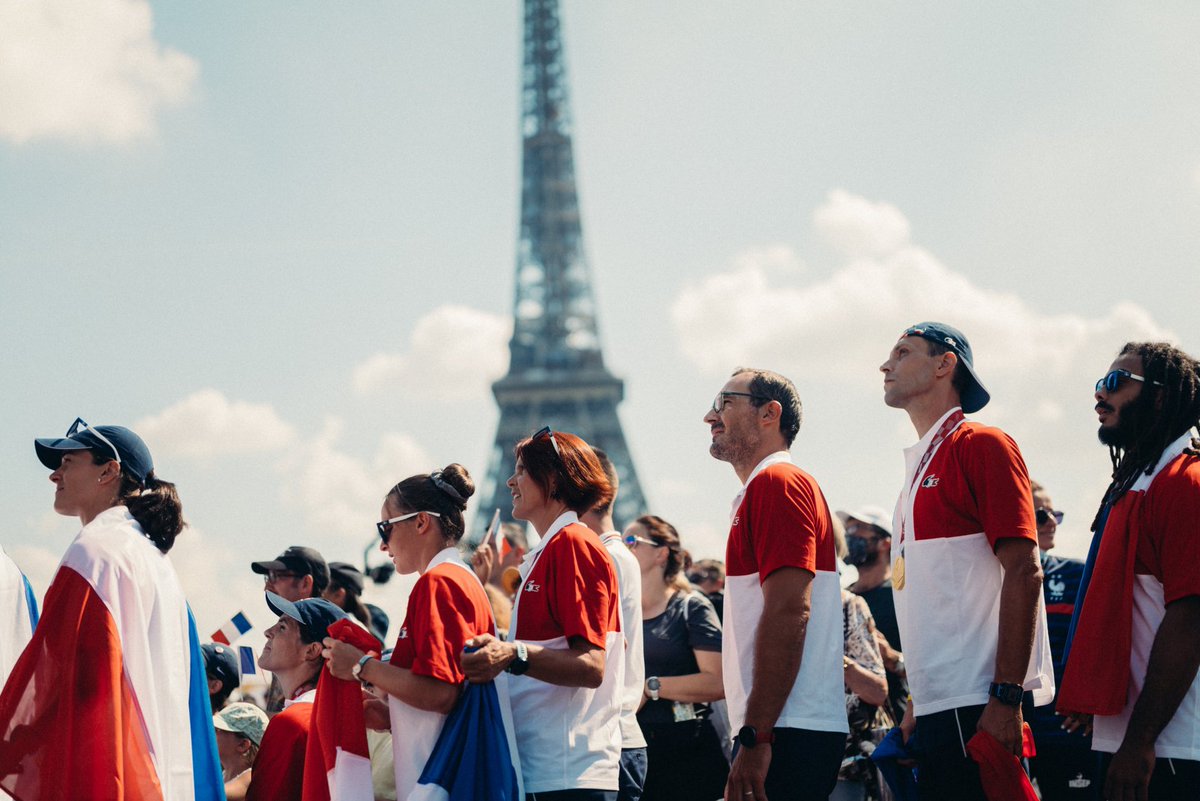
<point x="460" y="480"/>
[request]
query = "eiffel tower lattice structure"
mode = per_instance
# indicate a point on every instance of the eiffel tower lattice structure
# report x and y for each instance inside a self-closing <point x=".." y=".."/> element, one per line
<point x="556" y="373"/>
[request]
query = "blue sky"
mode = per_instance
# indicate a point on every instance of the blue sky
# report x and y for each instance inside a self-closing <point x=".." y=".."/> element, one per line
<point x="278" y="239"/>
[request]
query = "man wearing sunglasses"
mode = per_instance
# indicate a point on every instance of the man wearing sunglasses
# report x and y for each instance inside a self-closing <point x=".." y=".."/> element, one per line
<point x="1065" y="767"/>
<point x="965" y="571"/>
<point x="1133" y="651"/>
<point x="782" y="652"/>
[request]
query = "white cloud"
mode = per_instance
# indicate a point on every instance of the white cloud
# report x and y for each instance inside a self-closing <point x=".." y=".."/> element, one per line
<point x="206" y="425"/>
<point x="85" y="71"/>
<point x="340" y="493"/>
<point x="854" y="226"/>
<point x="454" y="354"/>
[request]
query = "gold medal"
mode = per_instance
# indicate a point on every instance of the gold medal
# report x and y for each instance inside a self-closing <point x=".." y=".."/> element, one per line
<point x="898" y="573"/>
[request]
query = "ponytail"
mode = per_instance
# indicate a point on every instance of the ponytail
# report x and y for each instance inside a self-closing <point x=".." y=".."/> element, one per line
<point x="155" y="506"/>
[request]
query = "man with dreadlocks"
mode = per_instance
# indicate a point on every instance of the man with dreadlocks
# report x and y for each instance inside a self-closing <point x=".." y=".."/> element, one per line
<point x="1134" y="646"/>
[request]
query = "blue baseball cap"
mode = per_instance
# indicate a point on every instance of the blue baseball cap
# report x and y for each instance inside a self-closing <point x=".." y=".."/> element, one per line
<point x="117" y="441"/>
<point x="315" y="615"/>
<point x="975" y="396"/>
<point x="222" y="663"/>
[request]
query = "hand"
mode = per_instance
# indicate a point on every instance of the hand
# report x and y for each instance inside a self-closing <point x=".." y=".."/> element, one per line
<point x="1077" y="720"/>
<point x="376" y="714"/>
<point x="341" y="657"/>
<point x="1129" y="772"/>
<point x="748" y="773"/>
<point x="909" y="724"/>
<point x="488" y="660"/>
<point x="483" y="562"/>
<point x="1004" y="723"/>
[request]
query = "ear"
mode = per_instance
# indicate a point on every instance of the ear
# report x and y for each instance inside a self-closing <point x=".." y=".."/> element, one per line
<point x="312" y="651"/>
<point x="770" y="412"/>
<point x="243" y="745"/>
<point x="946" y="364"/>
<point x="306" y="586"/>
<point x="214" y="686"/>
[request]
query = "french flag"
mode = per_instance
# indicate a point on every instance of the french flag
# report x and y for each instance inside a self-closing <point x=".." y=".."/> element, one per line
<point x="337" y="764"/>
<point x="94" y="707"/>
<point x="234" y="628"/>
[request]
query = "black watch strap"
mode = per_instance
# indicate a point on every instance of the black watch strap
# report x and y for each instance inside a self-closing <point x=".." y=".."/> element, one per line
<point x="1007" y="694"/>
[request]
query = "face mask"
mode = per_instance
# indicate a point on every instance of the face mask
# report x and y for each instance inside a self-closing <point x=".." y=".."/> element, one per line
<point x="859" y="551"/>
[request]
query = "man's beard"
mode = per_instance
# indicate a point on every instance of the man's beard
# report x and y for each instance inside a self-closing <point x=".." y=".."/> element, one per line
<point x="1132" y="419"/>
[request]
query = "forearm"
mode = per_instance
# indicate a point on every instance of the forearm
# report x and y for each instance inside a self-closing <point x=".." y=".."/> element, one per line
<point x="778" y="648"/>
<point x="696" y="688"/>
<point x="581" y="665"/>
<point x="871" y="687"/>
<point x="1174" y="660"/>
<point x="421" y="692"/>
<point x="1019" y="594"/>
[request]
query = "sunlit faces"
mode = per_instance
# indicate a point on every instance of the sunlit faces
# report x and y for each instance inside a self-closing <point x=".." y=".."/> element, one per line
<point x="230" y="750"/>
<point x="1114" y="408"/>
<point x="402" y="544"/>
<point x="527" y="496"/>
<point x="77" y="483"/>
<point x="284" y="649"/>
<point x="1047" y="526"/>
<point x="734" y="430"/>
<point x="909" y="371"/>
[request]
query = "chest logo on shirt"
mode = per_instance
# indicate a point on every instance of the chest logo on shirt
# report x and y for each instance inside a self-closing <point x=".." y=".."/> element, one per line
<point x="1057" y="587"/>
<point x="930" y="481"/>
<point x="404" y="632"/>
<point x="736" y="519"/>
<point x="531" y="586"/>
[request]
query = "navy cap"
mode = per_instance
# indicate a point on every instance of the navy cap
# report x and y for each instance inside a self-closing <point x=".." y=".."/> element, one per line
<point x="127" y="446"/>
<point x="300" y="560"/>
<point x="975" y="396"/>
<point x="315" y="615"/>
<point x="347" y="575"/>
<point x="222" y="663"/>
<point x="379" y="622"/>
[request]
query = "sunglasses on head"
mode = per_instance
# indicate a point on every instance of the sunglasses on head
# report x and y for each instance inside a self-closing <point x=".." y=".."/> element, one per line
<point x="546" y="432"/>
<point x="1112" y="381"/>
<point x="81" y="425"/>
<point x="384" y="527"/>
<point x="1043" y="516"/>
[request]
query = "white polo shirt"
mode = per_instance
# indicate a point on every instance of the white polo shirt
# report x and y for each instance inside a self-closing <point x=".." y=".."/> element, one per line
<point x="629" y="585"/>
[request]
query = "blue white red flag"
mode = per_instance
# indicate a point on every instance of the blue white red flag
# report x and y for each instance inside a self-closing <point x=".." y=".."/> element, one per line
<point x="474" y="758"/>
<point x="234" y="628"/>
<point x="95" y="706"/>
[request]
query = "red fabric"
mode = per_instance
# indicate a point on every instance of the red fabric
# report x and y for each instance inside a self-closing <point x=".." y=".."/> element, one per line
<point x="279" y="768"/>
<point x="571" y="591"/>
<point x="337" y="716"/>
<point x="70" y="726"/>
<point x="1000" y="772"/>
<point x="1168" y="531"/>
<point x="1096" y="677"/>
<point x="446" y="608"/>
<point x="783" y="521"/>
<point x="976" y="482"/>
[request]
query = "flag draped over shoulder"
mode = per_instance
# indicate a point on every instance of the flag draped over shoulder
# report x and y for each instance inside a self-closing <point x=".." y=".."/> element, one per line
<point x="109" y="699"/>
<point x="337" y="763"/>
<point x="18" y="614"/>
<point x="471" y="760"/>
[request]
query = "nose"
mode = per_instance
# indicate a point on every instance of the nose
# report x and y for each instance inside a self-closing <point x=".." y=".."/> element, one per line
<point x="512" y="481"/>
<point x="886" y="367"/>
<point x="56" y="475"/>
<point x="710" y="417"/>
<point x="383" y="546"/>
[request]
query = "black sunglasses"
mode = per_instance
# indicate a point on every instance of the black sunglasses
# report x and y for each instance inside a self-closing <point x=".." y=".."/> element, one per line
<point x="1112" y="381"/>
<point x="546" y="432"/>
<point x="1044" y="515"/>
<point x="719" y="401"/>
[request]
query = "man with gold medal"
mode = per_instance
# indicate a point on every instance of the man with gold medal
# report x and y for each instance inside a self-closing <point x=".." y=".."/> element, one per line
<point x="965" y="568"/>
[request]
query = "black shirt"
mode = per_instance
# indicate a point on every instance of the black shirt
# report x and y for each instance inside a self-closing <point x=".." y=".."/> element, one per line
<point x="668" y="641"/>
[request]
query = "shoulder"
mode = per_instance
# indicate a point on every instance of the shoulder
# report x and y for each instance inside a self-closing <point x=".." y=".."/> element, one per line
<point x="289" y="724"/>
<point x="580" y="539"/>
<point x="783" y="477"/>
<point x="977" y="436"/>
<point x="1181" y="474"/>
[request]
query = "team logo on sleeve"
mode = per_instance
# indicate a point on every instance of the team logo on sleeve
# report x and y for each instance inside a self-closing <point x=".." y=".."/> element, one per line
<point x="930" y="481"/>
<point x="531" y="586"/>
<point x="403" y="633"/>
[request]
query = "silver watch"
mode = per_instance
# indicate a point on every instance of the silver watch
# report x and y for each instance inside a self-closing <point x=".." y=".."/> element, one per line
<point x="356" y="671"/>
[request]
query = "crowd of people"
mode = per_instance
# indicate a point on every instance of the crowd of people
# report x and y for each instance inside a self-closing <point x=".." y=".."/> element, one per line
<point x="960" y="659"/>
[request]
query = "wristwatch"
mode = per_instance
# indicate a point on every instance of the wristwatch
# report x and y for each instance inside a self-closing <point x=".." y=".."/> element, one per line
<point x="748" y="737"/>
<point x="356" y="671"/>
<point x="653" y="685"/>
<point x="1007" y="694"/>
<point x="521" y="663"/>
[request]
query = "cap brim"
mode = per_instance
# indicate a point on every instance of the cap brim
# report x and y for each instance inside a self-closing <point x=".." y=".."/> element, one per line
<point x="282" y="606"/>
<point x="976" y="396"/>
<point x="50" y="450"/>
<point x="266" y="567"/>
<point x="219" y="723"/>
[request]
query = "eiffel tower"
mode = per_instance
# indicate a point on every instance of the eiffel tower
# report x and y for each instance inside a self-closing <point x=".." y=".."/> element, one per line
<point x="556" y="374"/>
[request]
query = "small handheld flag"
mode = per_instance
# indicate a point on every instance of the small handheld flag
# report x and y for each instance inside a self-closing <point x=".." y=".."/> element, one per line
<point x="234" y="628"/>
<point x="247" y="661"/>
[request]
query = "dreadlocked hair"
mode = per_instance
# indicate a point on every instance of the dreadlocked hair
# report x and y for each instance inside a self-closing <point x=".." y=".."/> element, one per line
<point x="1167" y="407"/>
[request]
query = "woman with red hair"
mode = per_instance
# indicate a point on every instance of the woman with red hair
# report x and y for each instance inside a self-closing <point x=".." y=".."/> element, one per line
<point x="564" y="648"/>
